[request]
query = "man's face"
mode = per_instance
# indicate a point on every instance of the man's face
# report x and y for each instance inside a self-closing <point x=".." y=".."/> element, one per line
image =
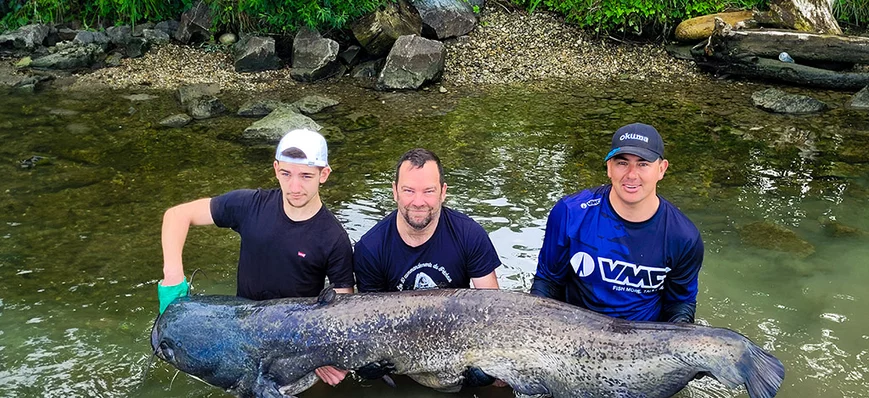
<point x="300" y="183"/>
<point x="634" y="179"/>
<point x="419" y="194"/>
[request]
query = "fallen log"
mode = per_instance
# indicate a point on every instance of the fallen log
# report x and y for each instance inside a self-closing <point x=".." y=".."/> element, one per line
<point x="773" y="69"/>
<point x="723" y="54"/>
<point x="800" y="45"/>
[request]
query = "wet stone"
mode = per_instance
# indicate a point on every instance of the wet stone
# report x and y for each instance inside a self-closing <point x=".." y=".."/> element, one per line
<point x="176" y="121"/>
<point x="771" y="236"/>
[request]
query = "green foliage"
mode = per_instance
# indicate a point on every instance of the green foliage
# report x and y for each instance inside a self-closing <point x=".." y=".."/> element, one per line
<point x="265" y="16"/>
<point x="634" y="16"/>
<point x="854" y="12"/>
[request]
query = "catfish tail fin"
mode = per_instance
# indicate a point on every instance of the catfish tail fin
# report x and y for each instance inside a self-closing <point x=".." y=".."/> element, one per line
<point x="763" y="373"/>
<point x="760" y="372"/>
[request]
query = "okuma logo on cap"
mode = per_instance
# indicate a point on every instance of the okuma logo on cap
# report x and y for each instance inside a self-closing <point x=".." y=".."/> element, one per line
<point x="633" y="136"/>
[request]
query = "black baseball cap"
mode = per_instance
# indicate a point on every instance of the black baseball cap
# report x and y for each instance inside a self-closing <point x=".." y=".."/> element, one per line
<point x="638" y="139"/>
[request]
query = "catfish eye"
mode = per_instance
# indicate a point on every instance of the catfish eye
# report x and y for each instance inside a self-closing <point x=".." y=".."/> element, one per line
<point x="168" y="353"/>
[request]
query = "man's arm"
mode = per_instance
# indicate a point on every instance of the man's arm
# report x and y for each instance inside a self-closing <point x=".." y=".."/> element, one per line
<point x="552" y="262"/>
<point x="176" y="223"/>
<point x="679" y="300"/>
<point x="489" y="281"/>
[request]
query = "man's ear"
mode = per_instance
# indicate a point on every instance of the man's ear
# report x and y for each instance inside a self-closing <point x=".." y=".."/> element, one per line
<point x="324" y="174"/>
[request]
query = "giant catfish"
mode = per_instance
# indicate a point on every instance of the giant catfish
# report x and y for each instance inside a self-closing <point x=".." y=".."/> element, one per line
<point x="536" y="345"/>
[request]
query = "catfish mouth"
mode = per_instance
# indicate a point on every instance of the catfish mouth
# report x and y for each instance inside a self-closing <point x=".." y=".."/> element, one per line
<point x="162" y="347"/>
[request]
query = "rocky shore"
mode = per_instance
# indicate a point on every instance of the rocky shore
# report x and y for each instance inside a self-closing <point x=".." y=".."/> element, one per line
<point x="508" y="46"/>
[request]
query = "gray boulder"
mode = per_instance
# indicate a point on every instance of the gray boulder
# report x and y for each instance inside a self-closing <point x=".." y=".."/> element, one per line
<point x="136" y="47"/>
<point x="26" y="37"/>
<point x="70" y="58"/>
<point x="412" y="62"/>
<point x="66" y="34"/>
<point x="195" y="24"/>
<point x="314" y="57"/>
<point x="139" y="30"/>
<point x="312" y="104"/>
<point x="176" y="121"/>
<point x="271" y="128"/>
<point x="442" y="19"/>
<point x="254" y="54"/>
<point x="167" y="26"/>
<point x="119" y="35"/>
<point x="376" y="32"/>
<point x="860" y="100"/>
<point x="156" y="36"/>
<point x="87" y="37"/>
<point x="774" y="100"/>
<point x="259" y="108"/>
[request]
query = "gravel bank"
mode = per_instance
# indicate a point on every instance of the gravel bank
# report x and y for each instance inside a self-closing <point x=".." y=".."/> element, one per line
<point x="508" y="46"/>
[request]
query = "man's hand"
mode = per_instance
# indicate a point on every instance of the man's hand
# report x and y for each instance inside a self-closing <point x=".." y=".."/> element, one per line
<point x="168" y="294"/>
<point x="331" y="375"/>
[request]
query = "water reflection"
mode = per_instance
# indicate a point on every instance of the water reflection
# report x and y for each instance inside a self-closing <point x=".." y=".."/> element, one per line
<point x="80" y="254"/>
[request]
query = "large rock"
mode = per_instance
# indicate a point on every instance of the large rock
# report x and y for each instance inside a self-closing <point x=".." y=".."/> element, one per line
<point x="314" y="57"/>
<point x="860" y="100"/>
<point x="376" y="32"/>
<point x="136" y="47"/>
<point x="271" y="128"/>
<point x="774" y="100"/>
<point x="170" y="27"/>
<point x="254" y="54"/>
<point x="70" y="58"/>
<point x="442" y="19"/>
<point x="412" y="62"/>
<point x="156" y="36"/>
<point x="195" y="24"/>
<point x="312" y="104"/>
<point x="119" y="35"/>
<point x="87" y="37"/>
<point x="26" y="37"/>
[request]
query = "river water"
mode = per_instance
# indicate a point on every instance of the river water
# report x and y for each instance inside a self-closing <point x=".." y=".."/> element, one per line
<point x="781" y="202"/>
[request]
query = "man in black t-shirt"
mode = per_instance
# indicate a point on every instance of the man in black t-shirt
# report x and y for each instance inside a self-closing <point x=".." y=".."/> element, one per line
<point x="290" y="242"/>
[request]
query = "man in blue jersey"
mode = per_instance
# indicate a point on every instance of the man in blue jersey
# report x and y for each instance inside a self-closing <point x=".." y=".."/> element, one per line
<point x="423" y="244"/>
<point x="290" y="241"/>
<point x="620" y="249"/>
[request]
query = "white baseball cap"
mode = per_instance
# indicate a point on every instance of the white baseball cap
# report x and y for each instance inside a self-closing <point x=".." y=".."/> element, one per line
<point x="312" y="145"/>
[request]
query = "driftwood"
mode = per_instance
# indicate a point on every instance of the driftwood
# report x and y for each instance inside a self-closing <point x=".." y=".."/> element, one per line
<point x="755" y="53"/>
<point x="801" y="46"/>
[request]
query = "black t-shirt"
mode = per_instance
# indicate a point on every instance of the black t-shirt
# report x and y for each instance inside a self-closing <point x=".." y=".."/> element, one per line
<point x="459" y="249"/>
<point x="280" y="257"/>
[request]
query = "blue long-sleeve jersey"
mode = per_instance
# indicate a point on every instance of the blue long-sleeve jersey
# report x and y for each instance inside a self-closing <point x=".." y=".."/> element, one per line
<point x="593" y="258"/>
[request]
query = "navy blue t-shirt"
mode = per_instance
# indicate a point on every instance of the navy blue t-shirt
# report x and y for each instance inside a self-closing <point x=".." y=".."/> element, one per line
<point x="624" y="269"/>
<point x="459" y="249"/>
<point x="280" y="257"/>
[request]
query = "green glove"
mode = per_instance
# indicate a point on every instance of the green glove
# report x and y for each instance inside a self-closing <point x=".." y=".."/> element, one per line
<point x="168" y="294"/>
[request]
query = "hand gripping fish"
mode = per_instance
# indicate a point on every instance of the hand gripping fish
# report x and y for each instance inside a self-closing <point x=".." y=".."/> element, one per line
<point x="536" y="345"/>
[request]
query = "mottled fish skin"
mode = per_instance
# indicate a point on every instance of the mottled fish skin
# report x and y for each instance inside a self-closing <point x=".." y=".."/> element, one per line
<point x="536" y="345"/>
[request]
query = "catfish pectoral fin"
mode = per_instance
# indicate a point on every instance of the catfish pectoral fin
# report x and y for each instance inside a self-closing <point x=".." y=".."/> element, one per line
<point x="300" y="385"/>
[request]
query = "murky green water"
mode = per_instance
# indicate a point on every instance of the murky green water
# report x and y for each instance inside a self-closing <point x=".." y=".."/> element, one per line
<point x="80" y="243"/>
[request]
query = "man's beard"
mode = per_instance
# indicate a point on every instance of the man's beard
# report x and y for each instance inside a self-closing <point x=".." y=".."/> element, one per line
<point x="419" y="226"/>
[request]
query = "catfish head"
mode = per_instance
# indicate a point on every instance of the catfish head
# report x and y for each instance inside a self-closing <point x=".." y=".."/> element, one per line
<point x="205" y="341"/>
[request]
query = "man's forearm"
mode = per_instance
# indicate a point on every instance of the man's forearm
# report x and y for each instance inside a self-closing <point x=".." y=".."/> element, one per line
<point x="678" y="312"/>
<point x="545" y="288"/>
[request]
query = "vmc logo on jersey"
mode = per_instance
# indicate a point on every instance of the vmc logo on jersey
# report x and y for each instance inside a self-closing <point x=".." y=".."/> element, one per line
<point x="623" y="275"/>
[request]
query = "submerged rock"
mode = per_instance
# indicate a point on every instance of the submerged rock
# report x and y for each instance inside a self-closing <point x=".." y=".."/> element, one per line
<point x="271" y="128"/>
<point x="771" y="236"/>
<point x="176" y="121"/>
<point x="774" y="100"/>
<point x="259" y="108"/>
<point x="860" y="100"/>
<point x="314" y="104"/>
<point x="836" y="229"/>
